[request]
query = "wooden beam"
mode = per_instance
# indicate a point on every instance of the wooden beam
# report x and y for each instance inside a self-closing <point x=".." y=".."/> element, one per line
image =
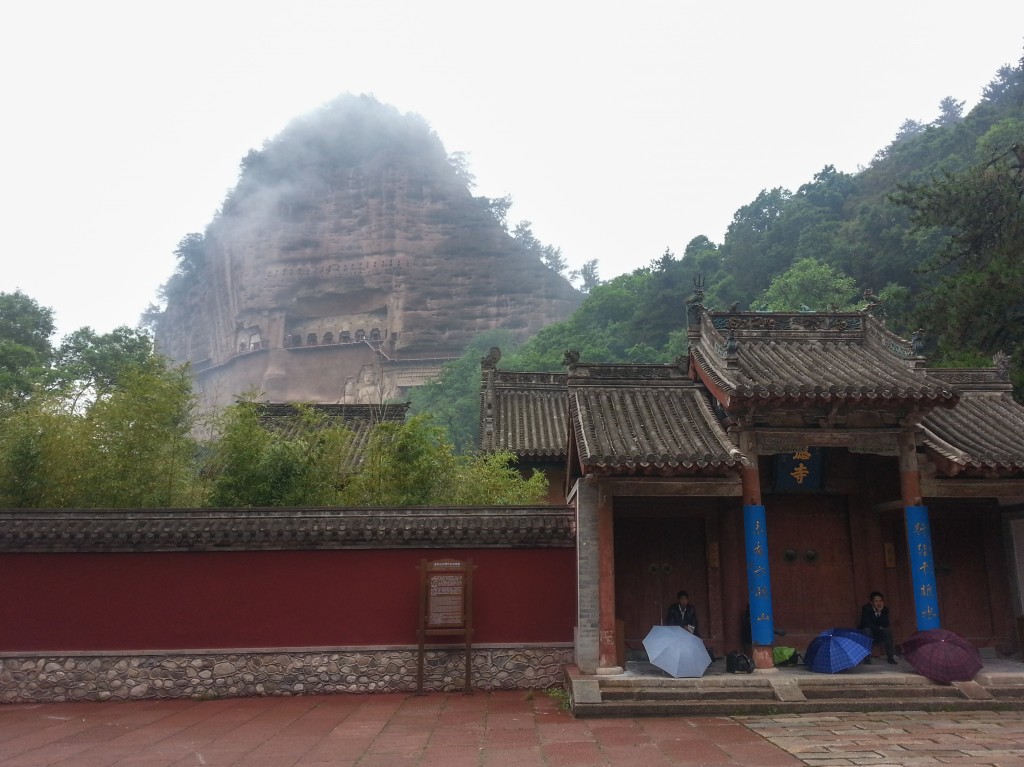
<point x="721" y="486"/>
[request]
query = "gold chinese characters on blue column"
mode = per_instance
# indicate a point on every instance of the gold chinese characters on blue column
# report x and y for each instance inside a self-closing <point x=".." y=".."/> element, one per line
<point x="922" y="567"/>
<point x="759" y="583"/>
<point x="799" y="471"/>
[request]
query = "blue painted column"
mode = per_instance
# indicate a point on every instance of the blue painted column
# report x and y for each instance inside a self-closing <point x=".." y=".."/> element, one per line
<point x="919" y="536"/>
<point x="922" y="567"/>
<point x="755" y="533"/>
<point x="759" y="584"/>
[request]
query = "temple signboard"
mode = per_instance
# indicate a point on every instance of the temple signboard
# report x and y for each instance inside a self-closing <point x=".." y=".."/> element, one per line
<point x="446" y="599"/>
<point x="446" y="608"/>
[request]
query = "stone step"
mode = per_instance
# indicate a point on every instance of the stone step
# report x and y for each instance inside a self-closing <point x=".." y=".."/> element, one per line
<point x="1009" y="692"/>
<point x="734" y="707"/>
<point x="639" y="694"/>
<point x="661" y="693"/>
<point x="842" y="692"/>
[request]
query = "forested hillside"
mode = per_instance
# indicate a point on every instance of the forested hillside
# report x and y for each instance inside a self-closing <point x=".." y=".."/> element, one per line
<point x="933" y="228"/>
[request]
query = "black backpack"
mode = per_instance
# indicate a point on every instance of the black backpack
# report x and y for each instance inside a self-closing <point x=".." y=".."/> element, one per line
<point x="738" y="663"/>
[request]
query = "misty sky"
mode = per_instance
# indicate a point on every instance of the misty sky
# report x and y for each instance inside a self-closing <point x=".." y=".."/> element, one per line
<point x="618" y="129"/>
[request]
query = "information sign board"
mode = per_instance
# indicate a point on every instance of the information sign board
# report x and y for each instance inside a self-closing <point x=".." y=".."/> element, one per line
<point x="446" y="608"/>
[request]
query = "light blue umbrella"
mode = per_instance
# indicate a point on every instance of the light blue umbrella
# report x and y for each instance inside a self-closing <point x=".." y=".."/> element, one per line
<point x="676" y="651"/>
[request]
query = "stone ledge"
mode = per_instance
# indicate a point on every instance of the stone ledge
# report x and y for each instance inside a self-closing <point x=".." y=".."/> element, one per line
<point x="59" y="678"/>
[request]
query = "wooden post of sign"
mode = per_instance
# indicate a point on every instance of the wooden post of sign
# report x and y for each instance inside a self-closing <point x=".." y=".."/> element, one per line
<point x="446" y="609"/>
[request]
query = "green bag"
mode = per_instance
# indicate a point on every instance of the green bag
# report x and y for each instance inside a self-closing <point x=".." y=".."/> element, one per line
<point x="785" y="656"/>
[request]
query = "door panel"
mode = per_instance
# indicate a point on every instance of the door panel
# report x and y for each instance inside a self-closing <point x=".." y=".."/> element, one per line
<point x="961" y="577"/>
<point x="656" y="556"/>
<point x="811" y="565"/>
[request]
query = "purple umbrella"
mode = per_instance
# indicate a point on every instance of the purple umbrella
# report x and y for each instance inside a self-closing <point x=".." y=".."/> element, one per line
<point x="933" y="635"/>
<point x="942" y="656"/>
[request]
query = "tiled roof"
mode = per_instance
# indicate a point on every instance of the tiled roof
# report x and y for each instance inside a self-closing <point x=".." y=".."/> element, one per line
<point x="95" y="530"/>
<point x="835" y="357"/>
<point x="347" y="413"/>
<point x="524" y="413"/>
<point x="985" y="430"/>
<point x="286" y="419"/>
<point x="645" y="419"/>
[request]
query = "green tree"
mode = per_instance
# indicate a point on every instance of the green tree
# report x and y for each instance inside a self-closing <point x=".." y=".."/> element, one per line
<point x="810" y="285"/>
<point x="977" y="303"/>
<point x="252" y="464"/>
<point x="553" y="259"/>
<point x="404" y="464"/>
<point x="951" y="111"/>
<point x="131" y="449"/>
<point x="460" y="164"/>
<point x="493" y="480"/>
<point x="25" y="348"/>
<point x="453" y="396"/>
<point x="88" y="364"/>
<point x="413" y="464"/>
<point x="498" y="208"/>
<point x="44" y="451"/>
<point x="549" y="255"/>
<point x="587" y="276"/>
<point x="191" y="256"/>
<point x="141" y="452"/>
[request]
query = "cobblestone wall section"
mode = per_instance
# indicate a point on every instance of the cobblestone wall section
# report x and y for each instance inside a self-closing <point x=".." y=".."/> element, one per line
<point x="68" y="678"/>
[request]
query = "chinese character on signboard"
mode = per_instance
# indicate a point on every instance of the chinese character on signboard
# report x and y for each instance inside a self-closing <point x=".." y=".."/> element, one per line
<point x="799" y="471"/>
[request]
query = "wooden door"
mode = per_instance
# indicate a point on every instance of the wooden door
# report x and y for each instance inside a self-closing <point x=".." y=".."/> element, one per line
<point x="811" y="566"/>
<point x="655" y="557"/>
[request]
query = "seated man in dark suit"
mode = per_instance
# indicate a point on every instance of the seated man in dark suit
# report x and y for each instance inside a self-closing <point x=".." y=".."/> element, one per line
<point x="682" y="613"/>
<point x="874" y="622"/>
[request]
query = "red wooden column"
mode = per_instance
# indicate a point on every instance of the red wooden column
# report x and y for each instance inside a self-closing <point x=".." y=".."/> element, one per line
<point x="750" y="476"/>
<point x="910" y="475"/>
<point x="607" y="660"/>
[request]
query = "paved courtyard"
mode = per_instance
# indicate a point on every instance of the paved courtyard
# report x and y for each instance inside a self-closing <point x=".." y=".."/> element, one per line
<point x="501" y="729"/>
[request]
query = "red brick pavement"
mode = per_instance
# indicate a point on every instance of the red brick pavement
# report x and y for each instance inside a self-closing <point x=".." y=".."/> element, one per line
<point x="501" y="729"/>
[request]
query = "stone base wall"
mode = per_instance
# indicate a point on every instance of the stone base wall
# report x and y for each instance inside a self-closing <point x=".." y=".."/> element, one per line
<point x="207" y="675"/>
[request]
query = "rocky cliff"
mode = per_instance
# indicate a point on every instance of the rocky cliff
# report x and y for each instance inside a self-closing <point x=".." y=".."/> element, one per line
<point x="348" y="263"/>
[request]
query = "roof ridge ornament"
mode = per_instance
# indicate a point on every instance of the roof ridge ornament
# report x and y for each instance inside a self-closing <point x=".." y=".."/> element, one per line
<point x="1001" y="362"/>
<point x="695" y="304"/>
<point x="490" y="360"/>
<point x="917" y="342"/>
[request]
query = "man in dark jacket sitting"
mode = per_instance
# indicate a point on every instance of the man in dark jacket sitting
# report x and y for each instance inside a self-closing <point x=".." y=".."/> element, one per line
<point x="874" y="622"/>
<point x="683" y="614"/>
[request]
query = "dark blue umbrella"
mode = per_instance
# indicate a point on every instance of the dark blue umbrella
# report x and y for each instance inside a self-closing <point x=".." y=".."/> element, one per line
<point x="856" y="635"/>
<point x="836" y="649"/>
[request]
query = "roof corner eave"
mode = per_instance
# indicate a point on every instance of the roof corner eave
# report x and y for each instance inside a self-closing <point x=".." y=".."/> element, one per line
<point x="701" y="376"/>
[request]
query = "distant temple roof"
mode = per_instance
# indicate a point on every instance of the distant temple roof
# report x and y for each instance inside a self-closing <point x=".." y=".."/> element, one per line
<point x="286" y="419"/>
<point x="526" y="414"/>
<point x="847" y="357"/>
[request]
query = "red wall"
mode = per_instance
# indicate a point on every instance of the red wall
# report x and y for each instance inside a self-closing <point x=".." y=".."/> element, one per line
<point x="262" y="599"/>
